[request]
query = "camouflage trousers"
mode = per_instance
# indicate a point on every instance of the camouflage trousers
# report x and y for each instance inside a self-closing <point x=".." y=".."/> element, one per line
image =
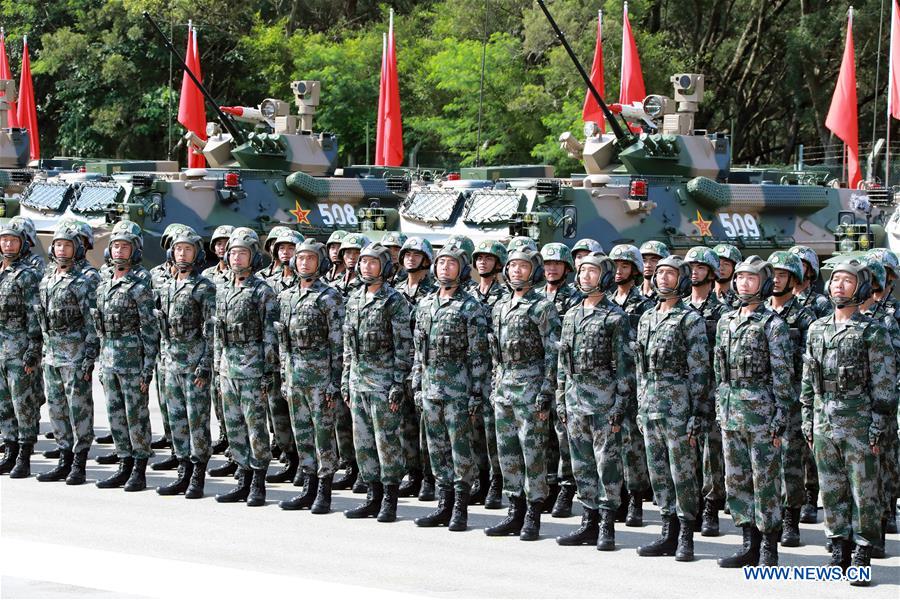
<point x="128" y="410"/>
<point x="753" y="479"/>
<point x="279" y="416"/>
<point x="559" y="461"/>
<point x="672" y="466"/>
<point x="71" y="407"/>
<point x="312" y="422"/>
<point x="888" y="470"/>
<point x="848" y="478"/>
<point x="521" y="448"/>
<point x="188" y="413"/>
<point x="159" y="380"/>
<point x="20" y="414"/>
<point x="484" y="440"/>
<point x="792" y="448"/>
<point x="634" y="456"/>
<point x="810" y="472"/>
<point x="596" y="460"/>
<point x="376" y="435"/>
<point x="343" y="432"/>
<point x="448" y="428"/>
<point x="711" y="465"/>
<point x="412" y="436"/>
<point x="38" y="386"/>
<point x="215" y="393"/>
<point x="245" y="422"/>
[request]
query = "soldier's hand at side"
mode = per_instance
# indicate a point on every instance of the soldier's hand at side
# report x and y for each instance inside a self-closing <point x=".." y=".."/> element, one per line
<point x="200" y="382"/>
<point x="347" y="398"/>
<point x="776" y="441"/>
<point x="29" y="370"/>
<point x="144" y="386"/>
<point x="876" y="450"/>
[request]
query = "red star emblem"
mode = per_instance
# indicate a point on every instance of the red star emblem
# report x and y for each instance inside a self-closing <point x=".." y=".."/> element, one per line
<point x="302" y="215"/>
<point x="705" y="227"/>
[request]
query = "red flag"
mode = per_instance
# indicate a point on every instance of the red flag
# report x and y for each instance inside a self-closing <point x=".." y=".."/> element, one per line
<point x="894" y="64"/>
<point x="27" y="109"/>
<point x="591" y="109"/>
<point x="392" y="127"/>
<point x="5" y="73"/>
<point x="382" y="92"/>
<point x="842" y="120"/>
<point x="632" y="86"/>
<point x="191" y="109"/>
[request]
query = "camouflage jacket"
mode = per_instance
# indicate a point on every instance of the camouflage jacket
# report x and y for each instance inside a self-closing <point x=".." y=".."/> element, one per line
<point x="729" y="299"/>
<point x="20" y="330"/>
<point x="753" y="371"/>
<point x="849" y="374"/>
<point x="332" y="275"/>
<point x="524" y="343"/>
<point x="711" y="309"/>
<point x="818" y="303"/>
<point x="279" y="283"/>
<point x="594" y="375"/>
<point x="889" y="323"/>
<point x="66" y="302"/>
<point x="216" y="275"/>
<point x="399" y="277"/>
<point x="160" y="275"/>
<point x="36" y="262"/>
<point x="565" y="297"/>
<point x="888" y="306"/>
<point x="244" y="329"/>
<point x="426" y="286"/>
<point x="139" y="271"/>
<point x="635" y="305"/>
<point x="672" y="356"/>
<point x="346" y="285"/>
<point x="185" y="312"/>
<point x="798" y="319"/>
<point x="129" y="336"/>
<point x="310" y="336"/>
<point x="452" y="360"/>
<point x="89" y="271"/>
<point x="377" y="341"/>
<point x="494" y="294"/>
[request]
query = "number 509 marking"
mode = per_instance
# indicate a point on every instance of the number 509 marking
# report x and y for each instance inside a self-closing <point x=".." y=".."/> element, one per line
<point x="738" y="225"/>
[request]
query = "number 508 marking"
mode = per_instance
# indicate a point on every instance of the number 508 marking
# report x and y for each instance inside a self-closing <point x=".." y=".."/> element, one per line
<point x="738" y="225"/>
<point x="337" y="214"/>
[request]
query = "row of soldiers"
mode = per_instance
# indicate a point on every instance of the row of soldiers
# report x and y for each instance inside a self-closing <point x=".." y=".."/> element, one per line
<point x="684" y="376"/>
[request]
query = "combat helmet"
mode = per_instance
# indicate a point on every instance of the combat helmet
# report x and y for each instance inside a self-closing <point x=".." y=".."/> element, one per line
<point x="337" y="237"/>
<point x="629" y="253"/>
<point x="186" y="235"/>
<point x="682" y="287"/>
<point x="858" y="268"/>
<point x="126" y="231"/>
<point x="536" y="277"/>
<point x="491" y="248"/>
<point x="757" y="266"/>
<point x="244" y="237"/>
<point x="704" y="256"/>
<point x="317" y="248"/>
<point x="464" y="242"/>
<point x="394" y="239"/>
<point x="279" y="231"/>
<point x="418" y="244"/>
<point x="607" y="272"/>
<point x="29" y="229"/>
<point x="559" y="252"/>
<point x="71" y="233"/>
<point x="376" y="250"/>
<point x="461" y="256"/>
<point x="520" y="242"/>
<point x="808" y="256"/>
<point x="16" y="229"/>
<point x="655" y="248"/>
<point x="886" y="258"/>
<point x="588" y="245"/>
<point x="790" y="262"/>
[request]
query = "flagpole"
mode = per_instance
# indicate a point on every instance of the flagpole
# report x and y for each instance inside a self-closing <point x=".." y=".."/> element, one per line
<point x="622" y="58"/>
<point x="887" y="149"/>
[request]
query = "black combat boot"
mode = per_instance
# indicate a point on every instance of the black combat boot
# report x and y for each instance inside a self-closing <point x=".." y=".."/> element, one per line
<point x="167" y="464"/>
<point x="426" y="494"/>
<point x="748" y="555"/>
<point x="305" y="499"/>
<point x="494" y="498"/>
<point x="553" y="492"/>
<point x="562" y="508"/>
<point x="709" y="526"/>
<point x="359" y="486"/>
<point x="388" y="512"/>
<point x="809" y="511"/>
<point x="768" y="551"/>
<point x="197" y="483"/>
<point x="160" y="444"/>
<point x="77" y="475"/>
<point x="108" y="459"/>
<point x="624" y="502"/>
<point x="10" y="453"/>
<point x="180" y="485"/>
<point x="515" y="517"/>
<point x="861" y="558"/>
<point x="587" y="533"/>
<point x="841" y="553"/>
<point x="322" y="504"/>
<point x="288" y="471"/>
<point x="606" y="541"/>
<point x="440" y="517"/>
<point x="118" y="479"/>
<point x="257" y="494"/>
<point x="531" y="527"/>
<point x="241" y="491"/>
<point x="52" y="453"/>
<point x="667" y="543"/>
<point x="229" y="468"/>
<point x="62" y="469"/>
<point x="685" y="550"/>
<point x="104" y="439"/>
<point x="459" y="521"/>
<point x="412" y="484"/>
<point x="892" y="519"/>
<point x="299" y="478"/>
<point x="371" y="506"/>
<point x="790" y="536"/>
<point x="138" y="480"/>
<point x="483" y="484"/>
<point x="221" y="444"/>
<point x="877" y="549"/>
<point x="348" y="478"/>
<point x="635" y="516"/>
<point x="23" y="462"/>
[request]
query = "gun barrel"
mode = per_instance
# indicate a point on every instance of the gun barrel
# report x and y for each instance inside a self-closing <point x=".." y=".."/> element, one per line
<point x="244" y="113"/>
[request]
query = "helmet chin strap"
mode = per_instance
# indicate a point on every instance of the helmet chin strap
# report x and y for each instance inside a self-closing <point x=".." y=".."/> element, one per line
<point x="787" y="290"/>
<point x="556" y="281"/>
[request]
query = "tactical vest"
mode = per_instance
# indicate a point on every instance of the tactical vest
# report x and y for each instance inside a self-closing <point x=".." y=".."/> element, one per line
<point x="117" y="311"/>
<point x="183" y="318"/>
<point x="522" y="343"/>
<point x="791" y="318"/>
<point x="663" y="350"/>
<point x="745" y="355"/>
<point x="307" y="324"/>
<point x="61" y="306"/>
<point x="12" y="301"/>
<point x="841" y="363"/>
<point x="587" y="347"/>
<point x="239" y="317"/>
<point x="444" y="338"/>
<point x="372" y="332"/>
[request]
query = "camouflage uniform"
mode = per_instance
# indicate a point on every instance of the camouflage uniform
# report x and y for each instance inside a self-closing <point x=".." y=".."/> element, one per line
<point x="159" y="276"/>
<point x="279" y="411"/>
<point x="129" y="343"/>
<point x="186" y="308"/>
<point x="310" y="340"/>
<point x="36" y="262"/>
<point x="377" y="353"/>
<point x="218" y="274"/>
<point x="816" y="302"/>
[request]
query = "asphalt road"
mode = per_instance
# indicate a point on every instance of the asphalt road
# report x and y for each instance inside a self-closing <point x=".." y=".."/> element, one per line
<point x="59" y="541"/>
